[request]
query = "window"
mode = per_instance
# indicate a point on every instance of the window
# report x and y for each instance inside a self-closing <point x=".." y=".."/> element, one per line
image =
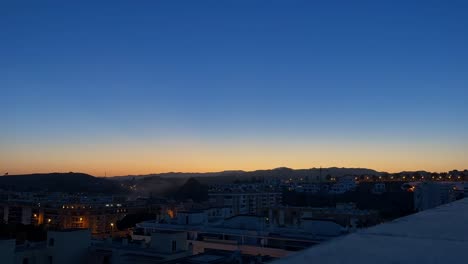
<point x="174" y="246"/>
<point x="190" y="246"/>
<point x="51" y="242"/>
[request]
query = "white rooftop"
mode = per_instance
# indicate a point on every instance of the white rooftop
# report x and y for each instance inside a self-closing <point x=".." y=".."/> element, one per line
<point x="438" y="235"/>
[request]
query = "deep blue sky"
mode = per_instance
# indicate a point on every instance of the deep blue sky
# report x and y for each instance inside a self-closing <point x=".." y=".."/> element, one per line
<point x="176" y="85"/>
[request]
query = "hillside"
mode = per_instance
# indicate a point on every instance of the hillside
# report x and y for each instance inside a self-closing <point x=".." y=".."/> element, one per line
<point x="61" y="182"/>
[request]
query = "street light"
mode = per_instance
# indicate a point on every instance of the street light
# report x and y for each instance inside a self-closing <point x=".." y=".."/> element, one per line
<point x="112" y="229"/>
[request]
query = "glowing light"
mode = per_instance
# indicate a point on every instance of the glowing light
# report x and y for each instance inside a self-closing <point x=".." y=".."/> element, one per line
<point x="170" y="213"/>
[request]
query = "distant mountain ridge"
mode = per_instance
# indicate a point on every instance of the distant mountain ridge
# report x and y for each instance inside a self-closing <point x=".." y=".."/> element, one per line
<point x="167" y="183"/>
<point x="281" y="171"/>
<point x="179" y="174"/>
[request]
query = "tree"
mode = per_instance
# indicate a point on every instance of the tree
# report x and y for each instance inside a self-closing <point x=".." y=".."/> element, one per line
<point x="192" y="189"/>
<point x="131" y="220"/>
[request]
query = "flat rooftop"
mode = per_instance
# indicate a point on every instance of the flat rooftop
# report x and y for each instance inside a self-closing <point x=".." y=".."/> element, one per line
<point x="438" y="235"/>
<point x="65" y="230"/>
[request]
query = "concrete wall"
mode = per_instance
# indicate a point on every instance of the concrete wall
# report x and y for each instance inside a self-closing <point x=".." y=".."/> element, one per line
<point x="220" y="212"/>
<point x="33" y="256"/>
<point x="191" y="218"/>
<point x="201" y="246"/>
<point x="430" y="195"/>
<point x="7" y="251"/>
<point x="246" y="222"/>
<point x="68" y="247"/>
<point x="162" y="242"/>
<point x="323" y="228"/>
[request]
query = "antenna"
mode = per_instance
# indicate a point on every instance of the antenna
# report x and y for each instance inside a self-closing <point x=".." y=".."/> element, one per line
<point x="320" y="174"/>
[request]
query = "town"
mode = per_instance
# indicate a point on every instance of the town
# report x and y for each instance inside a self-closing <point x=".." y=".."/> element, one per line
<point x="253" y="220"/>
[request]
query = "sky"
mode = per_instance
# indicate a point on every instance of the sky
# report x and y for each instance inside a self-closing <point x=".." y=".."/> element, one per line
<point x="137" y="87"/>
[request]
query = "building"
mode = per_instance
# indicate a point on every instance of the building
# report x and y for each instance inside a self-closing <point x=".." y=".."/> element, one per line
<point x="163" y="246"/>
<point x="65" y="246"/>
<point x="221" y="257"/>
<point x="344" y="214"/>
<point x="307" y="188"/>
<point x="436" y="235"/>
<point x="430" y="194"/>
<point x="75" y="246"/>
<point x="343" y="184"/>
<point x="379" y="188"/>
<point x="246" y="202"/>
<point x="17" y="212"/>
<point x="248" y="234"/>
<point x="99" y="218"/>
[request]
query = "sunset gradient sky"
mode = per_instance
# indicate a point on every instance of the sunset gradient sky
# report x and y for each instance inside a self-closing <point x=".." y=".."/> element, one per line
<point x="133" y="88"/>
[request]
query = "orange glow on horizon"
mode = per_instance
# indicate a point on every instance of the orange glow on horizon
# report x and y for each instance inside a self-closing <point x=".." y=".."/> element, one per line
<point x="140" y="157"/>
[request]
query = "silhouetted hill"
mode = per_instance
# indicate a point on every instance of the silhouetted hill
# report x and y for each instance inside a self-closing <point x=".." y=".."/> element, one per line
<point x="182" y="175"/>
<point x="60" y="182"/>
